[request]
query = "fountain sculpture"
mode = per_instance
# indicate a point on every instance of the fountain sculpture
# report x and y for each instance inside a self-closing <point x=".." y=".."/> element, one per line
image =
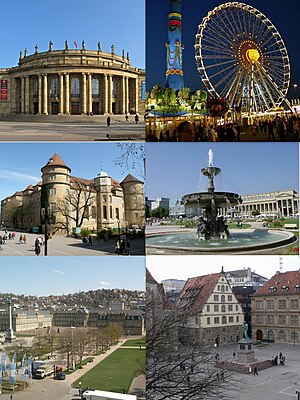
<point x="210" y="225"/>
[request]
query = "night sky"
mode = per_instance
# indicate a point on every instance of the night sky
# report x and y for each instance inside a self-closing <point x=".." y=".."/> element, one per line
<point x="283" y="14"/>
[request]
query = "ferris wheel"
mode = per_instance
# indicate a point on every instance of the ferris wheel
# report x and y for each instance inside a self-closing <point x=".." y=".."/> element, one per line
<point x="241" y="57"/>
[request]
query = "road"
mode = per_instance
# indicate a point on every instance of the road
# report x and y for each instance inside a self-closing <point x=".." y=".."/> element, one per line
<point x="66" y="246"/>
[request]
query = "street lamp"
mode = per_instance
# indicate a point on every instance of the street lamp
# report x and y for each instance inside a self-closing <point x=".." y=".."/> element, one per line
<point x="119" y="229"/>
<point x="296" y="91"/>
<point x="294" y="333"/>
<point x="72" y="346"/>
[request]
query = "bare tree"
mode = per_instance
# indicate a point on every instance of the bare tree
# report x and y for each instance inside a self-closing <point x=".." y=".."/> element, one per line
<point x="180" y="364"/>
<point x="81" y="341"/>
<point x="132" y="158"/>
<point x="76" y="207"/>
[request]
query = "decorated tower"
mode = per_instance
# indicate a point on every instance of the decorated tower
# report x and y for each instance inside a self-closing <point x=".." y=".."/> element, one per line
<point x="174" y="73"/>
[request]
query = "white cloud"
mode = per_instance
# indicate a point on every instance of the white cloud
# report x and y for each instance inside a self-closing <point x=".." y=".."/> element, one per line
<point x="57" y="271"/>
<point x="102" y="283"/>
<point x="8" y="174"/>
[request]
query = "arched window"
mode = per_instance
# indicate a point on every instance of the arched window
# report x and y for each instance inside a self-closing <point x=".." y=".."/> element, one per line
<point x="95" y="87"/>
<point x="110" y="212"/>
<point x="104" y="212"/>
<point x="54" y="87"/>
<point x="281" y="335"/>
<point x="117" y="214"/>
<point x="223" y="298"/>
<point x="224" y="320"/>
<point x="222" y="288"/>
<point x="75" y="86"/>
<point x="223" y="308"/>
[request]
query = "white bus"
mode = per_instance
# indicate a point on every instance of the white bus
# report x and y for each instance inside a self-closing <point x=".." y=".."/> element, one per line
<point x="101" y="395"/>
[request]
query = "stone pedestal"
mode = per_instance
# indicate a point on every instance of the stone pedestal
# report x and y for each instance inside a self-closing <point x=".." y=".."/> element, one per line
<point x="10" y="336"/>
<point x="223" y="235"/>
<point x="245" y="352"/>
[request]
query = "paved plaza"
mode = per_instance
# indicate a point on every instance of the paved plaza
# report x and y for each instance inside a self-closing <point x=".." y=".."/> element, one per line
<point x="66" y="246"/>
<point x="276" y="383"/>
<point x="73" y="128"/>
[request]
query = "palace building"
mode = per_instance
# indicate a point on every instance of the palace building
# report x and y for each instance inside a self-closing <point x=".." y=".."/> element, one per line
<point x="96" y="204"/>
<point x="72" y="81"/>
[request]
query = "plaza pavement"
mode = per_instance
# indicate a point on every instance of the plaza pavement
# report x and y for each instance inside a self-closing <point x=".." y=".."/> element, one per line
<point x="53" y="128"/>
<point x="66" y="246"/>
<point x="276" y="383"/>
<point x="50" y="389"/>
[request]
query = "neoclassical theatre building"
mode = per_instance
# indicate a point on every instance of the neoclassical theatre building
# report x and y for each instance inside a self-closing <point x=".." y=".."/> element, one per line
<point x="72" y="81"/>
<point x="96" y="204"/>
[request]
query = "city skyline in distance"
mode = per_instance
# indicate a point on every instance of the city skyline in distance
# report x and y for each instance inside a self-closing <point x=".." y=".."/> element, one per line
<point x="43" y="276"/>
<point x="117" y="22"/>
<point x="247" y="168"/>
<point x="189" y="266"/>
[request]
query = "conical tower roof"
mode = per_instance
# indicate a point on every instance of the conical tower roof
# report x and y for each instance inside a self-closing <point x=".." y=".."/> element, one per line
<point x="56" y="161"/>
<point x="130" y="178"/>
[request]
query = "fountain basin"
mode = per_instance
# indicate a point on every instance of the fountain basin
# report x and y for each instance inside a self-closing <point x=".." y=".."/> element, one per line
<point x="203" y="199"/>
<point x="239" y="241"/>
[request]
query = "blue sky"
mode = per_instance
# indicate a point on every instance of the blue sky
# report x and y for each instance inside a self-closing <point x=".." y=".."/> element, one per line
<point x="118" y="22"/>
<point x="21" y="163"/>
<point x="168" y="267"/>
<point x="284" y="15"/>
<point x="174" y="169"/>
<point x="59" y="275"/>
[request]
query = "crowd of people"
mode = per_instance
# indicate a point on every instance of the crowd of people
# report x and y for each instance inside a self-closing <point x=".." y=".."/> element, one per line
<point x="123" y="247"/>
<point x="277" y="129"/>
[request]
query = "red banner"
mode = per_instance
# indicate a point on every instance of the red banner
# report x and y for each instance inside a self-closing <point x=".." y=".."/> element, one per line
<point x="3" y="89"/>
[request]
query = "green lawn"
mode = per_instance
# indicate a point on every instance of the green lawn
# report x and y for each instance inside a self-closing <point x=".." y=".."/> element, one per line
<point x="116" y="372"/>
<point x="135" y="342"/>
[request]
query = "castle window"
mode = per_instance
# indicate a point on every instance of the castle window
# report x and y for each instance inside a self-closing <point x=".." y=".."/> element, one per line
<point x="223" y="309"/>
<point x="110" y="212"/>
<point x="229" y="297"/>
<point x="222" y="288"/>
<point x="94" y="212"/>
<point x="282" y="304"/>
<point x="224" y="320"/>
<point x="75" y="87"/>
<point x="216" y="308"/>
<point x="294" y="319"/>
<point x="52" y="177"/>
<point x="294" y="304"/>
<point x="208" y="321"/>
<point x="104" y="212"/>
<point x="223" y="298"/>
<point x="53" y="191"/>
<point x="95" y="87"/>
<point x="52" y="207"/>
<point x="54" y="87"/>
<point x="117" y="214"/>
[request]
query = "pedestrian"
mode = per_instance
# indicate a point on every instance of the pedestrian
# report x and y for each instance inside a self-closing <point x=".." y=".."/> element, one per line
<point x="108" y="121"/>
<point x="118" y="247"/>
<point x="123" y="247"/>
<point x="136" y="118"/>
<point x="128" y="245"/>
<point x="90" y="240"/>
<point x="255" y="371"/>
<point x="24" y="238"/>
<point x="280" y="355"/>
<point x="21" y="239"/>
<point x="37" y="247"/>
<point x="126" y="117"/>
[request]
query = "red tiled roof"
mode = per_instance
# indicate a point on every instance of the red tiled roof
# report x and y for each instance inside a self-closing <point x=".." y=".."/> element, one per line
<point x="29" y="187"/>
<point x="281" y="283"/>
<point x="196" y="292"/>
<point x="131" y="178"/>
<point x="151" y="281"/>
<point x="57" y="161"/>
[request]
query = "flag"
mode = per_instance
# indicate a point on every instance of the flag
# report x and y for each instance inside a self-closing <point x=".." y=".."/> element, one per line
<point x="23" y="369"/>
<point x="75" y="44"/>
<point x="12" y="372"/>
<point x="29" y="367"/>
<point x="3" y="363"/>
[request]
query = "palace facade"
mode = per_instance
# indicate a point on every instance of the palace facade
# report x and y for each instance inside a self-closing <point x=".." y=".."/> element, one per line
<point x="72" y="81"/>
<point x="95" y="204"/>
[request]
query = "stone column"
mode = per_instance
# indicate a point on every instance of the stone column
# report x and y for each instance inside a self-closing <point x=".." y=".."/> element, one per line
<point x="287" y="208"/>
<point x="137" y="95"/>
<point x="109" y="94"/>
<point x="67" y="96"/>
<point x="27" y="97"/>
<point x="61" y="93"/>
<point x="40" y="90"/>
<point x="105" y="95"/>
<point x="83" y="108"/>
<point x="22" y="95"/>
<point x="127" y="95"/>
<point x="293" y="206"/>
<point x="123" y="90"/>
<point x="45" y="95"/>
<point x="90" y="94"/>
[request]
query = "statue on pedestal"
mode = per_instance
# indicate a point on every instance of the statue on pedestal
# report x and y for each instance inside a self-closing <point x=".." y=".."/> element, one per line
<point x="99" y="46"/>
<point x="245" y="331"/>
<point x="66" y="45"/>
<point x="50" y="45"/>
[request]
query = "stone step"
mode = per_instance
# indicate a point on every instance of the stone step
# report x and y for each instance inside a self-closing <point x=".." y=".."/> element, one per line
<point x="244" y="368"/>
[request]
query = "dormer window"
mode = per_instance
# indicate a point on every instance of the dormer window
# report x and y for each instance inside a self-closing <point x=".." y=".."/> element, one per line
<point x="272" y="289"/>
<point x="285" y="288"/>
<point x="297" y="288"/>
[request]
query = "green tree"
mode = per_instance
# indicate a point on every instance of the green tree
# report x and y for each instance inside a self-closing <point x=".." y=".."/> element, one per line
<point x="159" y="212"/>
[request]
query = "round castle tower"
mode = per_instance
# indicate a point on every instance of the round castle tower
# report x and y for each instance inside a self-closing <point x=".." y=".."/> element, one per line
<point x="56" y="173"/>
<point x="133" y="190"/>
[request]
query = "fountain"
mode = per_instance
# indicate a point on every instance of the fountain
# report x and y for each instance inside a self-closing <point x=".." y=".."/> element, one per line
<point x="213" y="235"/>
<point x="210" y="225"/>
